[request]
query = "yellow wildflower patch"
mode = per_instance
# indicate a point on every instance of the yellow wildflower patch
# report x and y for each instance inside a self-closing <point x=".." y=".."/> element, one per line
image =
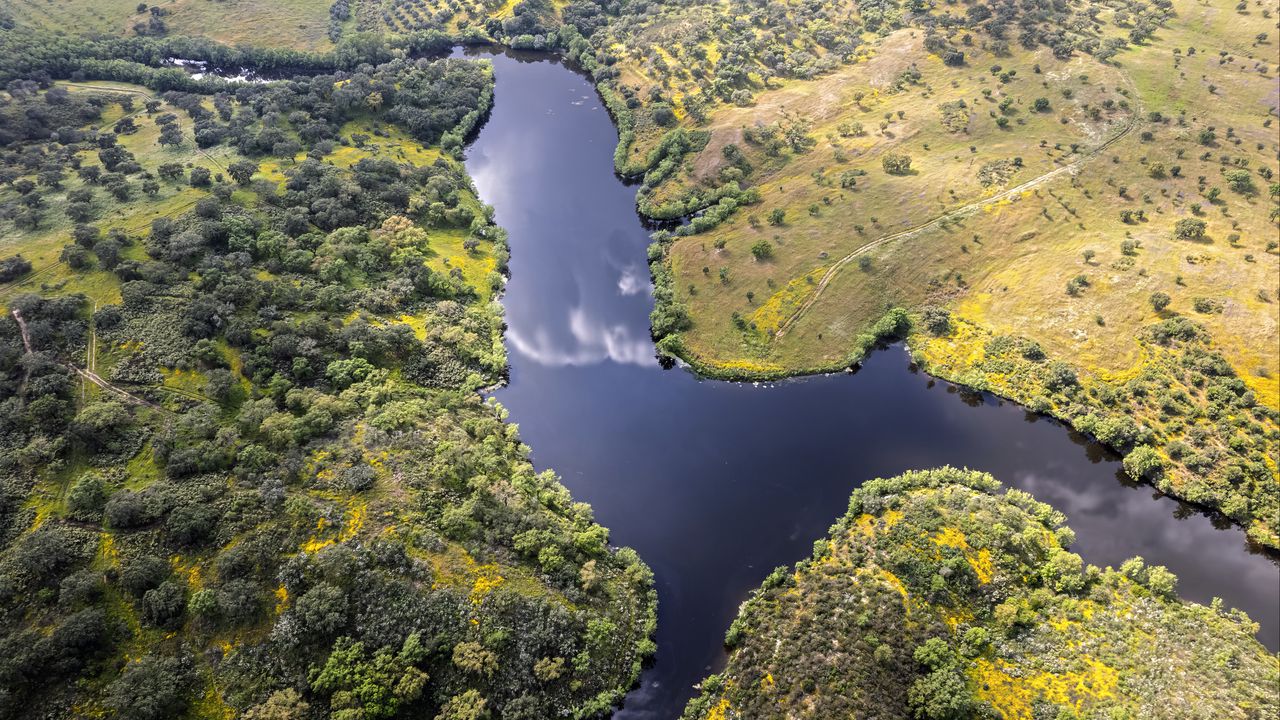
<point x="486" y="582"/>
<point x="979" y="560"/>
<point x="720" y="711"/>
<point x="784" y="303"/>
<point x="1012" y="690"/>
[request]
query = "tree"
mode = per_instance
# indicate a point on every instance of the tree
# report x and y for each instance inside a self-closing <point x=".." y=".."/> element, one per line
<point x="85" y="235"/>
<point x="941" y="695"/>
<point x="170" y="134"/>
<point x="100" y="423"/>
<point x="1144" y="463"/>
<point x="936" y="320"/>
<point x="80" y="212"/>
<point x="284" y="704"/>
<point x="762" y="249"/>
<point x="896" y="164"/>
<point x="200" y="177"/>
<point x="322" y="610"/>
<point x="75" y="256"/>
<point x="470" y="705"/>
<point x="13" y="267"/>
<point x="777" y="216"/>
<point x="376" y="685"/>
<point x="242" y="171"/>
<point x="475" y="658"/>
<point x="1160" y="301"/>
<point x="1189" y="229"/>
<point x="153" y="688"/>
<point x="164" y="605"/>
<point x="170" y="171"/>
<point x="1041" y="104"/>
<point x="1240" y="180"/>
<point x="86" y="498"/>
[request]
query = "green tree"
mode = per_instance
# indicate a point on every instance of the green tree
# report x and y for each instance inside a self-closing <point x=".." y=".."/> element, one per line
<point x="1144" y="463"/>
<point x="1240" y="180"/>
<point x="469" y="705"/>
<point x="153" y="688"/>
<point x="242" y="171"/>
<point x="896" y="163"/>
<point x="1189" y="229"/>
<point x="364" y="686"/>
<point x="86" y="498"/>
<point x="475" y="658"/>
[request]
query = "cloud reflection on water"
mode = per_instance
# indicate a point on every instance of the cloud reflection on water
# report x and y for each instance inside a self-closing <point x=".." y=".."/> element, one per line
<point x="594" y="342"/>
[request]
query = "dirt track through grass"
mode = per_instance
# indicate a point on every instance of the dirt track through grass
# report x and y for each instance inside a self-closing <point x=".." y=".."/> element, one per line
<point x="962" y="211"/>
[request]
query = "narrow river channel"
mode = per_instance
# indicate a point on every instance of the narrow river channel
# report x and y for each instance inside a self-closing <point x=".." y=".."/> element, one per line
<point x="717" y="483"/>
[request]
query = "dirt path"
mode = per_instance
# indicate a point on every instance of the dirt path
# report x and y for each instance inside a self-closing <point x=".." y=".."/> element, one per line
<point x="89" y="375"/>
<point x="962" y="211"/>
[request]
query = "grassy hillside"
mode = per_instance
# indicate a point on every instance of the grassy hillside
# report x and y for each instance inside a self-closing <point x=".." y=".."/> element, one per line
<point x="941" y="596"/>
<point x="246" y="472"/>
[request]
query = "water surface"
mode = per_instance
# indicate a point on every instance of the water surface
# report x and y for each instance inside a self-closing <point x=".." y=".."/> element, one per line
<point x="714" y="483"/>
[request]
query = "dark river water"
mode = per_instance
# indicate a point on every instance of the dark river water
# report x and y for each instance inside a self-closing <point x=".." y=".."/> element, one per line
<point x="714" y="483"/>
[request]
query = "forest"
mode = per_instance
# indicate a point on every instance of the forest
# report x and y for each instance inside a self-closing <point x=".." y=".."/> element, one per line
<point x="245" y="468"/>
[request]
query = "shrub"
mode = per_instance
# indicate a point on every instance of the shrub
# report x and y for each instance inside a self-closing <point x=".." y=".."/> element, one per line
<point x="936" y="320"/>
<point x="13" y="267"/>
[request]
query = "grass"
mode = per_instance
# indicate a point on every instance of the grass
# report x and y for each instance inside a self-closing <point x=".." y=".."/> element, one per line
<point x="1006" y="266"/>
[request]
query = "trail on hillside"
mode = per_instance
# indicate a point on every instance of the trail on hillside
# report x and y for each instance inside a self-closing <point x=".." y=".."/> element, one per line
<point x="89" y="375"/>
<point x="960" y="212"/>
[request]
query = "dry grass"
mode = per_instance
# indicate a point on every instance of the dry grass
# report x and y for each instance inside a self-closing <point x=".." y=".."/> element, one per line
<point x="1005" y="267"/>
<point x="301" y="24"/>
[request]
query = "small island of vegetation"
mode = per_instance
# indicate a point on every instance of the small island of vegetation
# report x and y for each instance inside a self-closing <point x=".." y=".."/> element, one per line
<point x="940" y="596"/>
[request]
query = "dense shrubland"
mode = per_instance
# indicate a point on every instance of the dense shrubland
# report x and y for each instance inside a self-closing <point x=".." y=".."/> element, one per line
<point x="939" y="596"/>
<point x="245" y="469"/>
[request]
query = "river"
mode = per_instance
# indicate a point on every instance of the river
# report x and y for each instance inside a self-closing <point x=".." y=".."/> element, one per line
<point x="715" y="483"/>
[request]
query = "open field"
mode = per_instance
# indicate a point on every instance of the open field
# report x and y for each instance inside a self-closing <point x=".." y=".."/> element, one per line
<point x="301" y="24"/>
<point x="1014" y="256"/>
